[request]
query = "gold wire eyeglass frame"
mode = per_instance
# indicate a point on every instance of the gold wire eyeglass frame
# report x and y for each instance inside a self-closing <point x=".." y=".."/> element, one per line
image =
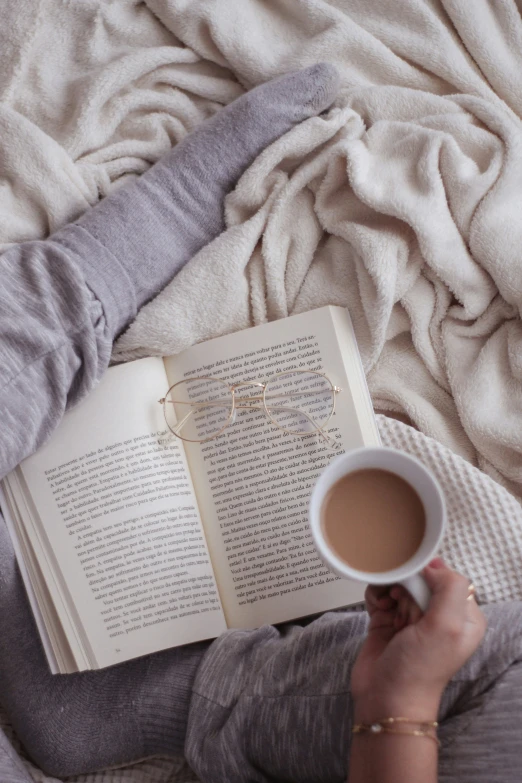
<point x="256" y="398"/>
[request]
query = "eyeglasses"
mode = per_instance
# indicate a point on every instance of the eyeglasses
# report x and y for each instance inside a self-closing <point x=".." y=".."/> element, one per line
<point x="300" y="402"/>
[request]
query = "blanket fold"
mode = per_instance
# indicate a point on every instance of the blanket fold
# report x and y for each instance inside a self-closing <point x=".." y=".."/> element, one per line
<point x="402" y="203"/>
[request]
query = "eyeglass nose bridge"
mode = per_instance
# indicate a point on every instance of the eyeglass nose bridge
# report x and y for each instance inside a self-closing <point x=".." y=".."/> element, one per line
<point x="242" y="400"/>
<point x="247" y="383"/>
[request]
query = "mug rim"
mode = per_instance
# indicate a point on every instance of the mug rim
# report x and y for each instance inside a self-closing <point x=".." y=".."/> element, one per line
<point x="323" y="484"/>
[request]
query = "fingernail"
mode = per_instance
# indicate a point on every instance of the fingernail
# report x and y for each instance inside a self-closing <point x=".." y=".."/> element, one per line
<point x="437" y="562"/>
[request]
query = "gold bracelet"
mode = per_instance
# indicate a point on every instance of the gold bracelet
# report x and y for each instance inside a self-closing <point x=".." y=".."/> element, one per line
<point x="385" y="726"/>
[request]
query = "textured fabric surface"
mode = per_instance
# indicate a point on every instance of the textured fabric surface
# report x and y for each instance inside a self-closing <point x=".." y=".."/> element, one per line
<point x="14" y="762"/>
<point x="485" y="740"/>
<point x="56" y="341"/>
<point x="483" y="541"/>
<point x="479" y="713"/>
<point x="403" y="203"/>
<point x="57" y="333"/>
<point x="285" y="715"/>
<point x="484" y="534"/>
<point x="76" y="723"/>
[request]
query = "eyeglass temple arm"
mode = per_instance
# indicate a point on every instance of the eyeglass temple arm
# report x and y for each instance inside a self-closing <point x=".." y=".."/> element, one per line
<point x="324" y="435"/>
<point x="180" y="424"/>
<point x="331" y="442"/>
<point x="196" y="404"/>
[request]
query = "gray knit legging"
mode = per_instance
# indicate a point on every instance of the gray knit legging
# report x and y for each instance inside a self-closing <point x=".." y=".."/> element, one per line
<point x="265" y="705"/>
<point x="273" y="706"/>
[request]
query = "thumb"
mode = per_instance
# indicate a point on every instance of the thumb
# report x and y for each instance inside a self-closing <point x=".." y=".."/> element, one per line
<point x="449" y="593"/>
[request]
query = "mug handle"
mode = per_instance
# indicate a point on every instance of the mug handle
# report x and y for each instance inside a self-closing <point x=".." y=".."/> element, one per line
<point x="418" y="589"/>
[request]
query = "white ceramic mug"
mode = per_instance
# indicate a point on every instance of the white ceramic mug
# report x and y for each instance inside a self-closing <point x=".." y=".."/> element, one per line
<point x="430" y="493"/>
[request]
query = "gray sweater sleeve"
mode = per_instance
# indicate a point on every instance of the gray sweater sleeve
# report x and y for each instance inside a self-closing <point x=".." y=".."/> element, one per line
<point x="56" y="340"/>
<point x="64" y="300"/>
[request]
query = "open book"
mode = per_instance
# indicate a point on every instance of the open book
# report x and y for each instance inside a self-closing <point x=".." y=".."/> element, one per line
<point x="131" y="540"/>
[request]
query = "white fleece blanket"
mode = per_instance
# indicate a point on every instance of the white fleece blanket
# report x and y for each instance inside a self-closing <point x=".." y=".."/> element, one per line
<point x="403" y="203"/>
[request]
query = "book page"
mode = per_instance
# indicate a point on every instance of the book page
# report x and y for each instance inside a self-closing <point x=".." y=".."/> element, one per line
<point x="254" y="481"/>
<point x="120" y="524"/>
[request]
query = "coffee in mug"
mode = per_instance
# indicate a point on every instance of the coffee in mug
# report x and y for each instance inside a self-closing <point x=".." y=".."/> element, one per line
<point x="378" y="515"/>
<point x="373" y="519"/>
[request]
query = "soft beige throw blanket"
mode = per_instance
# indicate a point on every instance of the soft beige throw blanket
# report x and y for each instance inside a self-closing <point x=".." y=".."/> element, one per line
<point x="403" y="203"/>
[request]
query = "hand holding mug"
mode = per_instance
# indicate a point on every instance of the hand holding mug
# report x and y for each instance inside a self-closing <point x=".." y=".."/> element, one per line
<point x="409" y="656"/>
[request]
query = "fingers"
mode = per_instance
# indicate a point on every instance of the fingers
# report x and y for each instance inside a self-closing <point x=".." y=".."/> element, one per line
<point x="377" y="598"/>
<point x="408" y="611"/>
<point x="449" y="608"/>
<point x="380" y="620"/>
<point x="380" y="632"/>
<point x="449" y="590"/>
<point x="395" y="600"/>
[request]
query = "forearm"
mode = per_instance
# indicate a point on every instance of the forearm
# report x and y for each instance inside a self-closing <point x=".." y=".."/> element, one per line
<point x="389" y="758"/>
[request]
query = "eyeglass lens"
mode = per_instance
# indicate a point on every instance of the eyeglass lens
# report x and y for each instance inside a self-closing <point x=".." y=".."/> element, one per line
<point x="300" y="402"/>
<point x="198" y="408"/>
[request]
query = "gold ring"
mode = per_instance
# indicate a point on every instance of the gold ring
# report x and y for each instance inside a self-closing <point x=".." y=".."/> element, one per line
<point x="471" y="592"/>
